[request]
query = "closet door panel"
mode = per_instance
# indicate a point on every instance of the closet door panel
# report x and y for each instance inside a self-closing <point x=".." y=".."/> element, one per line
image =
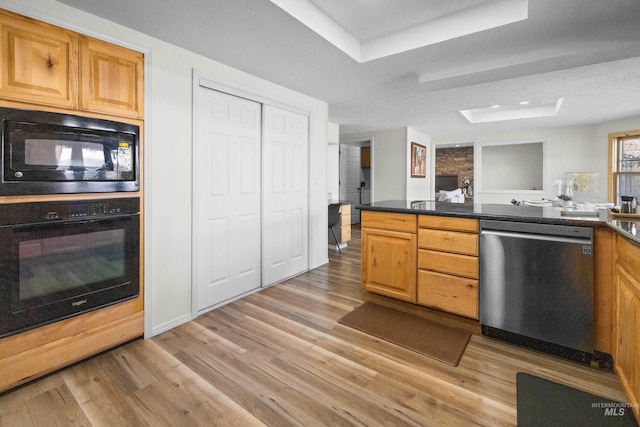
<point x="285" y="194"/>
<point x="227" y="198"/>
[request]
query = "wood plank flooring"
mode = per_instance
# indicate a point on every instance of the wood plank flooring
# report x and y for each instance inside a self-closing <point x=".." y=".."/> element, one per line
<point x="279" y="358"/>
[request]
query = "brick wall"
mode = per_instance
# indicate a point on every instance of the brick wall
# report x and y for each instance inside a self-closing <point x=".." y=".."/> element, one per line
<point x="455" y="161"/>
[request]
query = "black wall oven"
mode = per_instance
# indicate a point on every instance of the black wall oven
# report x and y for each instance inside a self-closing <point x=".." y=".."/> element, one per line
<point x="63" y="258"/>
<point x="53" y="153"/>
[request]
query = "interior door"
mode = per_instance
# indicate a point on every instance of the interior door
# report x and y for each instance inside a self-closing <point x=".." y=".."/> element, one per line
<point x="285" y="194"/>
<point x="227" y="202"/>
<point x="350" y="178"/>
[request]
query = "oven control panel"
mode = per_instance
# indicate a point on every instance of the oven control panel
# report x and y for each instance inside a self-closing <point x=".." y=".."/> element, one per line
<point x="96" y="209"/>
<point x="34" y="212"/>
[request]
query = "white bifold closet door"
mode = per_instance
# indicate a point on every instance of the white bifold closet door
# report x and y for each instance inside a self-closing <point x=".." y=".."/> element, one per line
<point x="227" y="189"/>
<point x="251" y="197"/>
<point x="285" y="194"/>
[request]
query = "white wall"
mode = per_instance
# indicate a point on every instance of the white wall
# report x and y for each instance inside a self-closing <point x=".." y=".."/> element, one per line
<point x="418" y="188"/>
<point x="389" y="151"/>
<point x="168" y="162"/>
<point x="512" y="167"/>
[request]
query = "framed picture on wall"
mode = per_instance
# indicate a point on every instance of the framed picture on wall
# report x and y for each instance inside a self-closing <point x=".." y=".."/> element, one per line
<point x="418" y="160"/>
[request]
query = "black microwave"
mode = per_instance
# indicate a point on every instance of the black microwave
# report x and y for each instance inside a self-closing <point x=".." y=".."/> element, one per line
<point x="53" y="153"/>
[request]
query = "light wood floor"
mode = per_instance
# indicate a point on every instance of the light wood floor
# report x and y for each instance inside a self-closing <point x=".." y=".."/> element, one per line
<point x="279" y="358"/>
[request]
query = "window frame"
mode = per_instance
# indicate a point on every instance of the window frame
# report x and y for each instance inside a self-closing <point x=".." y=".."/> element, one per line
<point x="613" y="172"/>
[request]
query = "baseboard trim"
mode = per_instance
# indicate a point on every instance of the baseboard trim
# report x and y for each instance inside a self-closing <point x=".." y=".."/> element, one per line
<point x="164" y="327"/>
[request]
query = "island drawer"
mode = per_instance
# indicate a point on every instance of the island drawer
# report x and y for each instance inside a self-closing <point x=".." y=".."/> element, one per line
<point x="389" y="221"/>
<point x="448" y="241"/>
<point x="447" y="223"/>
<point x="453" y="294"/>
<point x="444" y="262"/>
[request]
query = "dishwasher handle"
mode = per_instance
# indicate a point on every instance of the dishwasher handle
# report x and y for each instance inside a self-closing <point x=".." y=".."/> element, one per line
<point x="562" y="239"/>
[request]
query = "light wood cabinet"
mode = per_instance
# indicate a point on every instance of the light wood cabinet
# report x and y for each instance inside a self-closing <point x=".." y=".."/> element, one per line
<point x="468" y="225"/>
<point x="389" y="247"/>
<point x="345" y="223"/>
<point x="627" y="319"/>
<point x="388" y="221"/>
<point x="111" y="79"/>
<point x="449" y="241"/>
<point x="365" y="157"/>
<point x="448" y="264"/>
<point x="47" y="65"/>
<point x="603" y="289"/>
<point x="453" y="294"/>
<point x="39" y="62"/>
<point x="428" y="260"/>
<point x="37" y="352"/>
<point x="456" y="264"/>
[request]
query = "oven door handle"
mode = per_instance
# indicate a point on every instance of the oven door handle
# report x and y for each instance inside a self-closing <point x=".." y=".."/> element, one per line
<point x="92" y="223"/>
<point x="68" y="222"/>
<point x="102" y="218"/>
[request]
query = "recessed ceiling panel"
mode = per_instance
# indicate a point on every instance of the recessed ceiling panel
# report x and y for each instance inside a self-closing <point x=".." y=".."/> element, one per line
<point x="369" y="19"/>
<point x="368" y="33"/>
<point x="524" y="110"/>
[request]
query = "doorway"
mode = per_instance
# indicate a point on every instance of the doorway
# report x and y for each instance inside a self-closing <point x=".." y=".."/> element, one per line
<point x="356" y="183"/>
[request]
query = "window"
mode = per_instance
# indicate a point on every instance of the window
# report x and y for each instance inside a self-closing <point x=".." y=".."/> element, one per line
<point x="624" y="163"/>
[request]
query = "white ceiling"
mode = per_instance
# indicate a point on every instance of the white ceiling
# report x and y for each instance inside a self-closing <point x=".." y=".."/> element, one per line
<point x="586" y="52"/>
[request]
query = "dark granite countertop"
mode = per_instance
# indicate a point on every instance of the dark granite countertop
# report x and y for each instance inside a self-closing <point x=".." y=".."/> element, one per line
<point x="543" y="215"/>
<point x="628" y="228"/>
<point x="536" y="214"/>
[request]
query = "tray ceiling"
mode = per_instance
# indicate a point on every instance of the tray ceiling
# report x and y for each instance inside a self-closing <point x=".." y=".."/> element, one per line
<point x="586" y="52"/>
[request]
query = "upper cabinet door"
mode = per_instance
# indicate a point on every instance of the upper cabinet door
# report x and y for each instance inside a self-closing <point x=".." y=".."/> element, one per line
<point x="39" y="62"/>
<point x="111" y="79"/>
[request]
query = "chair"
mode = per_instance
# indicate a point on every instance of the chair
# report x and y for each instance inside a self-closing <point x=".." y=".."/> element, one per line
<point x="334" y="217"/>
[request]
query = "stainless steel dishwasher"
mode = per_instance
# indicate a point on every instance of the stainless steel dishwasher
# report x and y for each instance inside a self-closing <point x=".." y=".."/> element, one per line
<point x="536" y="286"/>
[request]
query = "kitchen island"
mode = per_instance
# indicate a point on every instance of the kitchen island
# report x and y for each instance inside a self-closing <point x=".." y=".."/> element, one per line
<point x="425" y="253"/>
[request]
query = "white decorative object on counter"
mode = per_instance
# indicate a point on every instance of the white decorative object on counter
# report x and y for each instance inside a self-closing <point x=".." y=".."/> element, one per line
<point x="454" y="196"/>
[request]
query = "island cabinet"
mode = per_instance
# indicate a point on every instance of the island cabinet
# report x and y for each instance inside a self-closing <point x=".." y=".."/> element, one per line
<point x="389" y="245"/>
<point x="448" y="264"/>
<point x="603" y="288"/>
<point x="626" y="324"/>
<point x="51" y="66"/>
